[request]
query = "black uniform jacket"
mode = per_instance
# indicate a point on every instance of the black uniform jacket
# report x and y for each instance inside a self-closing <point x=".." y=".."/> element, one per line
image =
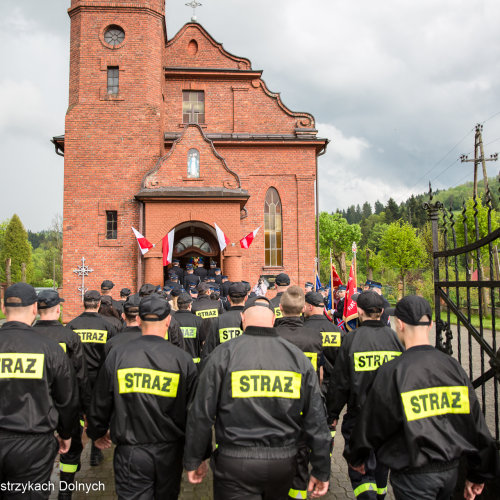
<point x="331" y="337"/>
<point x="201" y="272"/>
<point x="275" y="306"/>
<point x="362" y="352"/>
<point x="94" y="331"/>
<point x="190" y="326"/>
<point x="37" y="386"/>
<point x="142" y="393"/>
<point x="174" y="334"/>
<point x="190" y="280"/>
<point x="70" y="343"/>
<point x="422" y="410"/>
<point x="261" y="392"/>
<point x="205" y="307"/>
<point x="126" y="335"/>
<point x="309" y="341"/>
<point x="221" y="329"/>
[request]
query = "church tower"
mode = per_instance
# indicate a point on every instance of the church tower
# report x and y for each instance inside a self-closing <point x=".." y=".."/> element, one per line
<point x="113" y="133"/>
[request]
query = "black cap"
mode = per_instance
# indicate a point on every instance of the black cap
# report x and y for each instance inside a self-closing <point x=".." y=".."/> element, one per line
<point x="132" y="303"/>
<point x="282" y="279"/>
<point x="237" y="290"/>
<point x="308" y="284"/>
<point x="153" y="308"/>
<point x="147" y="289"/>
<point x="258" y="301"/>
<point x="410" y="309"/>
<point x="19" y="295"/>
<point x="342" y="288"/>
<point x="184" y="298"/>
<point x="106" y="299"/>
<point x="224" y="277"/>
<point x="107" y="285"/>
<point x="315" y="299"/>
<point x="48" y="298"/>
<point x="213" y="263"/>
<point x="375" y="284"/>
<point x="189" y="266"/>
<point x="91" y="295"/>
<point x="125" y="292"/>
<point x="368" y="300"/>
<point x="175" y="261"/>
<point x="368" y="282"/>
<point x="177" y="291"/>
<point x="202" y="287"/>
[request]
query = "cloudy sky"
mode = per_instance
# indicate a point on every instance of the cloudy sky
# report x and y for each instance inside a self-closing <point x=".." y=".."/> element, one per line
<point x="397" y="86"/>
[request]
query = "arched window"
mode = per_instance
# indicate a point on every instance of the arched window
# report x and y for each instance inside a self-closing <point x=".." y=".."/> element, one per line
<point x="273" y="229"/>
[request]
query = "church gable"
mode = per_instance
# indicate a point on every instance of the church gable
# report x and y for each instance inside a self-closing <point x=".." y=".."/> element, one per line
<point x="193" y="47"/>
<point x="191" y="162"/>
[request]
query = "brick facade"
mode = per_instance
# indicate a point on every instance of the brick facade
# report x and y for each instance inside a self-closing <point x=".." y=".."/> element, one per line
<point x="128" y="152"/>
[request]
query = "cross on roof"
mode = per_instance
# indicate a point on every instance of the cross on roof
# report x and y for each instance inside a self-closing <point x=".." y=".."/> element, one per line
<point x="193" y="4"/>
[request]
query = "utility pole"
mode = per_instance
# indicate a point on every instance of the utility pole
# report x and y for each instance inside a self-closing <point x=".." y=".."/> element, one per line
<point x="479" y="158"/>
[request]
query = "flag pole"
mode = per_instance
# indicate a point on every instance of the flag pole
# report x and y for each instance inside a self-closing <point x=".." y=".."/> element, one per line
<point x="355" y="262"/>
<point x="331" y="280"/>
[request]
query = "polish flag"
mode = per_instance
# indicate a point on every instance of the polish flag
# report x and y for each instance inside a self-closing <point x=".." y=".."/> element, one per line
<point x="223" y="239"/>
<point x="167" y="246"/>
<point x="247" y="240"/>
<point x="144" y="244"/>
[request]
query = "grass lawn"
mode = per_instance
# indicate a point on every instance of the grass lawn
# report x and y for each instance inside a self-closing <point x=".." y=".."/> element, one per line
<point x="474" y="319"/>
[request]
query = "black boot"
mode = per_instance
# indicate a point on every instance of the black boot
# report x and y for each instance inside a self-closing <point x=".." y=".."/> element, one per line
<point x="96" y="456"/>
<point x="65" y="480"/>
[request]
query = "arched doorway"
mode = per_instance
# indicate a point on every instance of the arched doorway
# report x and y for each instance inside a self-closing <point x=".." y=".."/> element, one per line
<point x="195" y="242"/>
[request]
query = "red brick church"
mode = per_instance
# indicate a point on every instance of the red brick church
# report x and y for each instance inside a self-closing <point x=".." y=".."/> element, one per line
<point x="177" y="133"/>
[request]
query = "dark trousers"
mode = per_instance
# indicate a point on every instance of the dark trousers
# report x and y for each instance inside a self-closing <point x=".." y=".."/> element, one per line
<point x="70" y="462"/>
<point x="298" y="489"/>
<point x="27" y="459"/>
<point x="425" y="486"/>
<point x="144" y="472"/>
<point x="252" y="478"/>
<point x="373" y="484"/>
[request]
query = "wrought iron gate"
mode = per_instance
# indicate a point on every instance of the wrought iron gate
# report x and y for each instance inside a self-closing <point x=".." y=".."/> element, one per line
<point x="466" y="296"/>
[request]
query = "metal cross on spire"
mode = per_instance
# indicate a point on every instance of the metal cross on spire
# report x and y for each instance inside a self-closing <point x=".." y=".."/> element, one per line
<point x="194" y="4"/>
<point x="83" y="271"/>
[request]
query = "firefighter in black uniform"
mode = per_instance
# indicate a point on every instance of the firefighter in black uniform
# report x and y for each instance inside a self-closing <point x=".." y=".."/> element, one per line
<point x="124" y="294"/>
<point x="421" y="416"/>
<point x="190" y="279"/>
<point x="362" y="352"/>
<point x="200" y="269"/>
<point x="282" y="282"/>
<point x="106" y="287"/>
<point x="211" y="271"/>
<point x="142" y="395"/>
<point x="49" y="325"/>
<point x="309" y="341"/>
<point x="204" y="306"/>
<point x="259" y="405"/>
<point x="173" y="281"/>
<point x="176" y="268"/>
<point x="376" y="287"/>
<point x="315" y="319"/>
<point x="228" y="325"/>
<point x="38" y="396"/>
<point x="190" y="326"/>
<point x="338" y="315"/>
<point x="132" y="329"/>
<point x="94" y="331"/>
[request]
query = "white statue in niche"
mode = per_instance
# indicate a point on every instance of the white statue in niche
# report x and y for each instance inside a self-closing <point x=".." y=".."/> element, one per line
<point x="193" y="163"/>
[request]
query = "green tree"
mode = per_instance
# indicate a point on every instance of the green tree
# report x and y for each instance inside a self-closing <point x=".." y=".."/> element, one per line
<point x="402" y="249"/>
<point x="366" y="210"/>
<point x="16" y="247"/>
<point x="379" y="207"/>
<point x="337" y="234"/>
<point x="392" y="212"/>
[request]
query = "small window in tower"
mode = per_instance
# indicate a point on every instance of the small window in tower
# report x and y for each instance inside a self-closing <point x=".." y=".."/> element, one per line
<point x="193" y="106"/>
<point x="111" y="224"/>
<point x="113" y="77"/>
<point x="114" y="36"/>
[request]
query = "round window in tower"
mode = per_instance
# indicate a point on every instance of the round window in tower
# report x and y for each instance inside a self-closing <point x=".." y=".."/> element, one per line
<point x="114" y="36"/>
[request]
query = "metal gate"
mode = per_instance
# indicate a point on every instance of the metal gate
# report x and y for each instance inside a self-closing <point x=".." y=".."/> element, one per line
<point x="467" y="295"/>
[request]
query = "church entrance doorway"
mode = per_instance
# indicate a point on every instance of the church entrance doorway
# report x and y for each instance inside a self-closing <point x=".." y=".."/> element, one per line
<point x="195" y="243"/>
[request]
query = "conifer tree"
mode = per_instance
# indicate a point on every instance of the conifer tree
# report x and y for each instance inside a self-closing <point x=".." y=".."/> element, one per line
<point x="16" y="246"/>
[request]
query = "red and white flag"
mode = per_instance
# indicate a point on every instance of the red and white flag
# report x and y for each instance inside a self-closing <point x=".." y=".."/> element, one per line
<point x="167" y="246"/>
<point x="247" y="240"/>
<point x="144" y="244"/>
<point x="223" y="239"/>
<point x="350" y="307"/>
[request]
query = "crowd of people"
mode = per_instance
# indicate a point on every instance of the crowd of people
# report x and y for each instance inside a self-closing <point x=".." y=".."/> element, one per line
<point x="163" y="372"/>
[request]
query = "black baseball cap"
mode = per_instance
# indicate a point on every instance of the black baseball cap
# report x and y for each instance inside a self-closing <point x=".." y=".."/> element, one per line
<point x="125" y="292"/>
<point x="375" y="284"/>
<point x="48" y="299"/>
<point x="410" y="309"/>
<point x="237" y="290"/>
<point x="203" y="287"/>
<point x="147" y="289"/>
<point x="153" y="308"/>
<point x="184" y="298"/>
<point x="91" y="295"/>
<point x="107" y="285"/>
<point x="282" y="279"/>
<point x="368" y="300"/>
<point x="131" y="305"/>
<point x="258" y="301"/>
<point x="315" y="299"/>
<point x="308" y="284"/>
<point x="19" y="295"/>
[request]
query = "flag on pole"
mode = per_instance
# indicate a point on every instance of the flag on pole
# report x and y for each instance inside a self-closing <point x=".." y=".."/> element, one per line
<point x="350" y="307"/>
<point x="336" y="281"/>
<point x="247" y="240"/>
<point x="143" y="243"/>
<point x="223" y="239"/>
<point x="318" y="283"/>
<point x="167" y="246"/>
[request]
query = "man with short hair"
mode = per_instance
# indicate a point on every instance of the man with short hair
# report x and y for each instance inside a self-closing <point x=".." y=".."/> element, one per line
<point x="422" y="415"/>
<point x="176" y="268"/>
<point x="50" y="310"/>
<point x="260" y="404"/>
<point x="190" y="279"/>
<point x="190" y="326"/>
<point x="106" y="287"/>
<point x="38" y="397"/>
<point x="362" y="352"/>
<point x="205" y="307"/>
<point x="142" y="395"/>
<point x="132" y="329"/>
<point x="282" y="283"/>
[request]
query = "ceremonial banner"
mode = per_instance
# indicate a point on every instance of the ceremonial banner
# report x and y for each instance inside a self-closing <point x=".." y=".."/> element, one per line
<point x="167" y="245"/>
<point x="223" y="239"/>
<point x="318" y="283"/>
<point x="143" y="243"/>
<point x="350" y="307"/>
<point x="247" y="240"/>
